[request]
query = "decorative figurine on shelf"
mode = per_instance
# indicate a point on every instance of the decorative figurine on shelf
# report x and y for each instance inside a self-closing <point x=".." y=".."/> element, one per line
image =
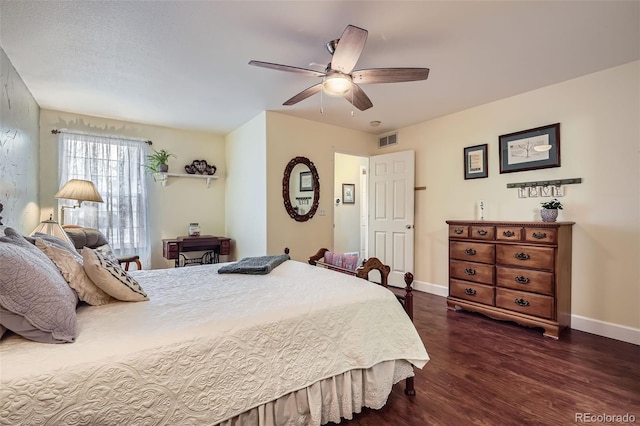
<point x="200" y="167"/>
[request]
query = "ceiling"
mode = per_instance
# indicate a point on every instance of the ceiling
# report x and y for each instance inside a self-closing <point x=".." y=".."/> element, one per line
<point x="184" y="64"/>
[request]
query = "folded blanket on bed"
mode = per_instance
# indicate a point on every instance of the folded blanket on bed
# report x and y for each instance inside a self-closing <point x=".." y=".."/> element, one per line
<point x="260" y="265"/>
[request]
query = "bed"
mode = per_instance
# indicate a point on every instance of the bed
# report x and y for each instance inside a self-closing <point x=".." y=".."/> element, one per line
<point x="299" y="345"/>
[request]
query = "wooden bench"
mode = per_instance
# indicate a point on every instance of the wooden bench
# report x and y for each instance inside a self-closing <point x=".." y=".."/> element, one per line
<point x="405" y="296"/>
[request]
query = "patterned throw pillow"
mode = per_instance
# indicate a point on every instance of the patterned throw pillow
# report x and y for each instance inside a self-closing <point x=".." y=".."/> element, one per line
<point x="32" y="288"/>
<point x="111" y="278"/>
<point x="74" y="273"/>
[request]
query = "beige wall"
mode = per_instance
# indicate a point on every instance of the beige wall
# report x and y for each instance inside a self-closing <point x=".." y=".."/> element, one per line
<point x="172" y="207"/>
<point x="246" y="201"/>
<point x="19" y="115"/>
<point x="289" y="137"/>
<point x="600" y="143"/>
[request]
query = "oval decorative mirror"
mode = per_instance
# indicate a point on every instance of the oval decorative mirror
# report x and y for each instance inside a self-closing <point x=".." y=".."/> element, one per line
<point x="301" y="189"/>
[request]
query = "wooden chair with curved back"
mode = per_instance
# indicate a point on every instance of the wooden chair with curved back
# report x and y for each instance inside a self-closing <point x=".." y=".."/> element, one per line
<point x="92" y="238"/>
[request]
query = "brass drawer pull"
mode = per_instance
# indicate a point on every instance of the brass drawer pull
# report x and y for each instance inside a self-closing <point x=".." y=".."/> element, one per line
<point x="522" y="256"/>
<point x="469" y="271"/>
<point x="458" y="231"/>
<point x="522" y="280"/>
<point x="539" y="235"/>
<point x="508" y="233"/>
<point x="482" y="232"/>
<point x="470" y="252"/>
<point x="470" y="291"/>
<point x="521" y="302"/>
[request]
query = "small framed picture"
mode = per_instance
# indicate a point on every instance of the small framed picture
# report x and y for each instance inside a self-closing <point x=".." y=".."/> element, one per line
<point x="348" y="193"/>
<point x="545" y="191"/>
<point x="475" y="162"/>
<point x="306" y="181"/>
<point x="533" y="191"/>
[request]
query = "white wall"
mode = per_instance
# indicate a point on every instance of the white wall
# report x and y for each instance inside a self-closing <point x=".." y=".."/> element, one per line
<point x="172" y="207"/>
<point x="600" y="143"/>
<point x="246" y="188"/>
<point x="346" y="231"/>
<point x="19" y="160"/>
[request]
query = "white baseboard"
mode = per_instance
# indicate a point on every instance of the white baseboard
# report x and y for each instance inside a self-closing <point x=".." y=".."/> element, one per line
<point x="606" y="329"/>
<point x="588" y="325"/>
<point x="438" y="290"/>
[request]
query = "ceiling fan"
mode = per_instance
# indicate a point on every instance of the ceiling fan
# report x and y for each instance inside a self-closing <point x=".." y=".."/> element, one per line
<point x="340" y="79"/>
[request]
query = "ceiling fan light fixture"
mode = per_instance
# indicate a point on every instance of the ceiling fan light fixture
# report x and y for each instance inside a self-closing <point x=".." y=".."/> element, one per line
<point x="336" y="84"/>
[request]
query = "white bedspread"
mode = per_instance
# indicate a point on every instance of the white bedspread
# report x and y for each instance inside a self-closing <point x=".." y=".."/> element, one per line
<point x="205" y="347"/>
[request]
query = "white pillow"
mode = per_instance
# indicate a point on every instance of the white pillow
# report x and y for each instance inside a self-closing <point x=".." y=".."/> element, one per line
<point x="111" y="278"/>
<point x="74" y="274"/>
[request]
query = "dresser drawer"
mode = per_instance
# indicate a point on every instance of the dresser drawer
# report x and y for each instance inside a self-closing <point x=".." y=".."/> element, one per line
<point x="471" y="271"/>
<point x="509" y="233"/>
<point x="541" y="235"/>
<point x="482" y="232"/>
<point x="475" y="252"/>
<point x="525" y="279"/>
<point x="471" y="291"/>
<point x="526" y="256"/>
<point x="524" y="302"/>
<point x="458" y="231"/>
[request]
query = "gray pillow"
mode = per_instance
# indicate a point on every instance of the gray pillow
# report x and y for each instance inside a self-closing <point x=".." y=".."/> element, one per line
<point x="58" y="242"/>
<point x="31" y="286"/>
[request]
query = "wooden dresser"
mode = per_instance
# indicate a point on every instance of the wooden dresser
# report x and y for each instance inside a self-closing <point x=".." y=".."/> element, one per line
<point x="515" y="271"/>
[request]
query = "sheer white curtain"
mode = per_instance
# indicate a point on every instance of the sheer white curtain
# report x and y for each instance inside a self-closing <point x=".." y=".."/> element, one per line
<point x="114" y="165"/>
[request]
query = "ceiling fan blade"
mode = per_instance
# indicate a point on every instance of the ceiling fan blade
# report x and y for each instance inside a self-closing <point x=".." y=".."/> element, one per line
<point x="349" y="49"/>
<point x="358" y="98"/>
<point x="304" y="94"/>
<point x="288" y="68"/>
<point x="389" y="75"/>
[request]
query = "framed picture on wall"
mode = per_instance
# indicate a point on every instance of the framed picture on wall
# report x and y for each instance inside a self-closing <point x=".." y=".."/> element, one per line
<point x="531" y="149"/>
<point x="306" y="181"/>
<point x="348" y="193"/>
<point x="475" y="162"/>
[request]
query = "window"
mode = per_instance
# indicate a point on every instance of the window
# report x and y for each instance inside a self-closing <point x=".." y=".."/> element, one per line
<point x="114" y="165"/>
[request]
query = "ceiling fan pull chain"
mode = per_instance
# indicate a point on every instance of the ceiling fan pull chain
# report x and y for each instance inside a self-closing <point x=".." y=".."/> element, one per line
<point x="321" y="98"/>
<point x="352" y="115"/>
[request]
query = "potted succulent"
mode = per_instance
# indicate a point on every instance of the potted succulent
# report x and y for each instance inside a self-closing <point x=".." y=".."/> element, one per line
<point x="550" y="209"/>
<point x="157" y="162"/>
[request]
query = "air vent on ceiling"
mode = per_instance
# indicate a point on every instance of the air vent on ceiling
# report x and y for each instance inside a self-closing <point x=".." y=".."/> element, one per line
<point x="388" y="139"/>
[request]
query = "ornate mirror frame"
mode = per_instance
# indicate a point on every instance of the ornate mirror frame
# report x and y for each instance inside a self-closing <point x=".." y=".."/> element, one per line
<point x="285" y="189"/>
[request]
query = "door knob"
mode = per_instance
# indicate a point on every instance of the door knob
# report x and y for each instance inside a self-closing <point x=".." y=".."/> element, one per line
<point x="408" y="226"/>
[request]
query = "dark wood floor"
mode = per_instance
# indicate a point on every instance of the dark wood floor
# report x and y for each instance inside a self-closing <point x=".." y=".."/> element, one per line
<point x="488" y="372"/>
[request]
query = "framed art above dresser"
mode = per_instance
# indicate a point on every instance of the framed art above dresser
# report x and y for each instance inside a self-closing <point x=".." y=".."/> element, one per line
<point x="513" y="271"/>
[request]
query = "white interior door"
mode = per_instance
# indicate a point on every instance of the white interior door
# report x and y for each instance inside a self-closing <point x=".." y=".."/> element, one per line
<point x="391" y="208"/>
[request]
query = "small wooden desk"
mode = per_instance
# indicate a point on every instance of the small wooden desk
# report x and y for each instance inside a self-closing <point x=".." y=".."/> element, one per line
<point x="173" y="249"/>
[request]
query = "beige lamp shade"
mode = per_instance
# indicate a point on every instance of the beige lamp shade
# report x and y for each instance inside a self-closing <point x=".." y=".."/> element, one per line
<point x="81" y="190"/>
<point x="51" y="227"/>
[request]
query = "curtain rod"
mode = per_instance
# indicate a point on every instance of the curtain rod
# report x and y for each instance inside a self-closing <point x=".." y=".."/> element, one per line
<point x="56" y="131"/>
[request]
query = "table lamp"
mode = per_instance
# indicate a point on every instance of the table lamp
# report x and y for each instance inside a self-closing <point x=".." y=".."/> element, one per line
<point x="79" y="190"/>
<point x="52" y="227"/>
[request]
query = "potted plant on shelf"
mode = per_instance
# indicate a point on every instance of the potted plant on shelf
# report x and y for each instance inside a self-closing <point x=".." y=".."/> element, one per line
<point x="157" y="162"/>
<point x="550" y="209"/>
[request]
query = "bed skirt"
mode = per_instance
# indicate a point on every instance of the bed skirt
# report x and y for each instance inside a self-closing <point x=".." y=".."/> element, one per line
<point x="329" y="400"/>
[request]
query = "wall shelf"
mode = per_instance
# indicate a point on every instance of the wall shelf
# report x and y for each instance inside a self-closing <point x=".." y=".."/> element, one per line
<point x="557" y="182"/>
<point x="162" y="177"/>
